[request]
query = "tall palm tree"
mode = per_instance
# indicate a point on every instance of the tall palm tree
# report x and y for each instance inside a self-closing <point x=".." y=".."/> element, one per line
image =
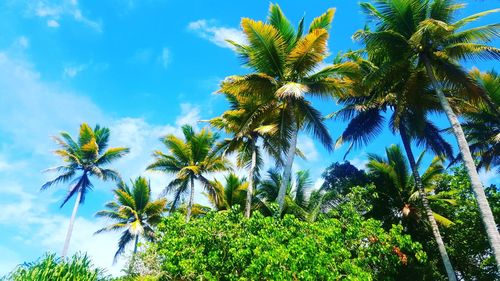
<point x="134" y="211"/>
<point x="248" y="126"/>
<point x="284" y="62"/>
<point x="397" y="189"/>
<point x="410" y="103"/>
<point x="83" y="158"/>
<point x="482" y="121"/>
<point x="233" y="192"/>
<point x="426" y="34"/>
<point x="189" y="160"/>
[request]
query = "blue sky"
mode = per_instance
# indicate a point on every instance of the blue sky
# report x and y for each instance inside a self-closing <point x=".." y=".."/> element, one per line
<point x="142" y="68"/>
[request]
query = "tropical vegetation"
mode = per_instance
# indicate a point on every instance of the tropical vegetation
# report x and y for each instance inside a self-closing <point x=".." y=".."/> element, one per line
<point x="399" y="217"/>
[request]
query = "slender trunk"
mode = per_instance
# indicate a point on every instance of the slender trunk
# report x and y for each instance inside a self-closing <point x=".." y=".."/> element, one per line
<point x="135" y="243"/>
<point x="248" y="204"/>
<point x="190" y="204"/>
<point x="132" y="261"/>
<point x="423" y="196"/>
<point x="287" y="172"/>
<point x="477" y="187"/>
<point x="71" y="223"/>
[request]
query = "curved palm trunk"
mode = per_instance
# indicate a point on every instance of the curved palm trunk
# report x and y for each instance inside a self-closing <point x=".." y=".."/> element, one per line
<point x="477" y="187"/>
<point x="190" y="204"/>
<point x="287" y="172"/>
<point x="71" y="223"/>
<point x="248" y="203"/>
<point x="423" y="196"/>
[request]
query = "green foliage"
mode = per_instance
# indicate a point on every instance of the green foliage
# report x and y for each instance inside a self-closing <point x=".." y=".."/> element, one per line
<point x="50" y="268"/>
<point x="466" y="239"/>
<point x="340" y="177"/>
<point x="225" y="246"/>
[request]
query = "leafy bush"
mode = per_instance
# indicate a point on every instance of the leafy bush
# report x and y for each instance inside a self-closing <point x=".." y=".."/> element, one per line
<point x="51" y="268"/>
<point x="225" y="246"/>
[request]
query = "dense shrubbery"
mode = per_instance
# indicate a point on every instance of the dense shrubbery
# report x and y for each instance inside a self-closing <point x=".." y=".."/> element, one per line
<point x="50" y="268"/>
<point x="225" y="246"/>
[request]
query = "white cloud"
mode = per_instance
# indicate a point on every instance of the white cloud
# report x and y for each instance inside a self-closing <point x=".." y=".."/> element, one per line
<point x="217" y="34"/>
<point x="489" y="177"/>
<point x="52" y="23"/>
<point x="150" y="55"/>
<point x="318" y="183"/>
<point x="142" y="56"/>
<point x="22" y="42"/>
<point x="190" y="115"/>
<point x="359" y="161"/>
<point x="40" y="108"/>
<point x="308" y="148"/>
<point x="101" y="247"/>
<point x="54" y="12"/>
<point x="72" y="71"/>
<point x="165" y="57"/>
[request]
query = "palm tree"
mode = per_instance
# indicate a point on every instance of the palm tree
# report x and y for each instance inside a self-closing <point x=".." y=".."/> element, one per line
<point x="232" y="193"/>
<point x="83" y="159"/>
<point x="134" y="211"/>
<point x="397" y="189"/>
<point x="284" y="64"/>
<point x="410" y="103"/>
<point x="299" y="200"/>
<point x="248" y="126"/>
<point x="189" y="160"/>
<point x="482" y="121"/>
<point x="425" y="33"/>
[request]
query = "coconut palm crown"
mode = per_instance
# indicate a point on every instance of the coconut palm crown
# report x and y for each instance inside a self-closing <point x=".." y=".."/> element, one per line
<point x="84" y="158"/>
<point x="189" y="160"/>
<point x="285" y="64"/>
<point x="134" y="211"/>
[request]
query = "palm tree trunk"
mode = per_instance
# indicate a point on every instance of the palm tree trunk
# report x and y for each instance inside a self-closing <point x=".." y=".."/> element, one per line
<point x="477" y="187"/>
<point x="287" y="172"/>
<point x="248" y="204"/>
<point x="135" y="244"/>
<point x="190" y="204"/>
<point x="132" y="261"/>
<point x="423" y="196"/>
<point x="71" y="223"/>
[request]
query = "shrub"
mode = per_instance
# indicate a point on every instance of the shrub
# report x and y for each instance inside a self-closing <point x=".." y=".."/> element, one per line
<point x="51" y="268"/>
<point x="226" y="246"/>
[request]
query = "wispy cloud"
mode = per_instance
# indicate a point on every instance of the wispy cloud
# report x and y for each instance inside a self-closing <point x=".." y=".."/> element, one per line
<point x="22" y="42"/>
<point x="165" y="57"/>
<point x="307" y="146"/>
<point x="50" y="110"/>
<point x="56" y="11"/>
<point x="489" y="177"/>
<point x="53" y="23"/>
<point x="190" y="115"/>
<point x="359" y="161"/>
<point x="72" y="71"/>
<point x="162" y="57"/>
<point x="217" y="34"/>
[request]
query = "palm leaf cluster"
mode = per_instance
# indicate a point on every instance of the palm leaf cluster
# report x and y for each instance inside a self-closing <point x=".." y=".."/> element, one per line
<point x="230" y="194"/>
<point x="84" y="158"/>
<point x="134" y="212"/>
<point x="189" y="159"/>
<point x="398" y="193"/>
<point x="482" y="125"/>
